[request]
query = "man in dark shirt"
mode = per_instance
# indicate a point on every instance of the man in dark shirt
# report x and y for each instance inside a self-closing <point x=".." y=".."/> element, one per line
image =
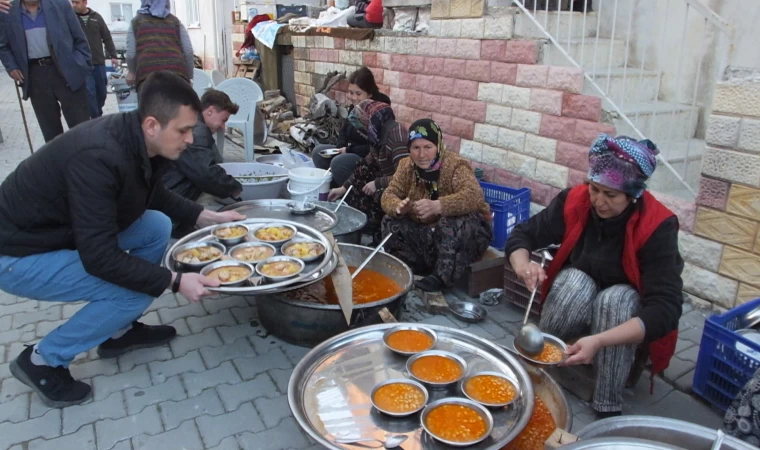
<point x="98" y="35"/>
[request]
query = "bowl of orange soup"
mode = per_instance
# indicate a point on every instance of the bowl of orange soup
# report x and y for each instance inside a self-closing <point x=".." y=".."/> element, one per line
<point x="399" y="397"/>
<point x="436" y="369"/>
<point x="492" y="389"/>
<point x="409" y="339"/>
<point x="457" y="421"/>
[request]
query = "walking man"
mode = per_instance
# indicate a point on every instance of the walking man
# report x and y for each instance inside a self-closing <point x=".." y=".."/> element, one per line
<point x="44" y="49"/>
<point x="98" y="35"/>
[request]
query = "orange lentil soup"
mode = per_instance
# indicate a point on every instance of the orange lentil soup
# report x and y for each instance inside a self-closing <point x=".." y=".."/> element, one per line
<point x="550" y="354"/>
<point x="436" y="369"/>
<point x="490" y="389"/>
<point x="456" y="423"/>
<point x="368" y="287"/>
<point x="399" y="398"/>
<point x="410" y="341"/>
<point x="537" y="431"/>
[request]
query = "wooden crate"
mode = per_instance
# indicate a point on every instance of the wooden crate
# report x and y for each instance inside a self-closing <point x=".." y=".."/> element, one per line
<point x="484" y="274"/>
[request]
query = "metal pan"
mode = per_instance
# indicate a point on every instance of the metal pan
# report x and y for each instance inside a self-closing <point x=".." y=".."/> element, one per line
<point x="322" y="219"/>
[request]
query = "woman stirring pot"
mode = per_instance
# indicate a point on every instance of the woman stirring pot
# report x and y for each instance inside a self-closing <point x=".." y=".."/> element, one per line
<point x="435" y="210"/>
<point x="617" y="273"/>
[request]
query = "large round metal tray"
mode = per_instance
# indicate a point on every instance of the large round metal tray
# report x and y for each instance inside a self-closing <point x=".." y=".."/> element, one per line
<point x="330" y="387"/>
<point x="322" y="219"/>
<point x="350" y="220"/>
<point x="313" y="272"/>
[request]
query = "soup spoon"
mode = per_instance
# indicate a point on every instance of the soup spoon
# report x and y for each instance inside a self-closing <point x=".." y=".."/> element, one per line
<point x="530" y="339"/>
<point x="392" y="442"/>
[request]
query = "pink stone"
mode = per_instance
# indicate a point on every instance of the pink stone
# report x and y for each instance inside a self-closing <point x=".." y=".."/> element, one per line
<point x="467" y="49"/>
<point x="431" y="103"/>
<point x="414" y="99"/>
<point x="416" y="64"/>
<point x="404" y="113"/>
<point x="561" y="128"/>
<point x="400" y="63"/>
<point x="478" y="71"/>
<point x="462" y="128"/>
<point x="424" y="83"/>
<point x="573" y="156"/>
<point x="576" y="177"/>
<point x="340" y="43"/>
<point x="385" y="89"/>
<point x="333" y="56"/>
<point x="532" y="76"/>
<point x="392" y="78"/>
<point x="713" y="193"/>
<point x="539" y="193"/>
<point x="475" y="111"/>
<point x="568" y="79"/>
<point x="450" y="105"/>
<point x="524" y="52"/>
<point x="313" y="54"/>
<point x="384" y="60"/>
<point x="493" y="50"/>
<point x="446" y="47"/>
<point x="433" y="66"/>
<point x="452" y="142"/>
<point x="427" y="46"/>
<point x="587" y="132"/>
<point x="685" y="210"/>
<point x="546" y="101"/>
<point x="455" y="68"/>
<point x="370" y="59"/>
<point x="582" y="107"/>
<point x="441" y="86"/>
<point x="379" y="75"/>
<point x="507" y="178"/>
<point x="406" y="79"/>
<point x="504" y="73"/>
<point x="398" y="96"/>
<point x="466" y="89"/>
<point x="488" y="171"/>
<point x="443" y="120"/>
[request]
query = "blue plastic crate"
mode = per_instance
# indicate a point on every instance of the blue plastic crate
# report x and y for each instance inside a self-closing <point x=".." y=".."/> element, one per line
<point x="726" y="360"/>
<point x="509" y="207"/>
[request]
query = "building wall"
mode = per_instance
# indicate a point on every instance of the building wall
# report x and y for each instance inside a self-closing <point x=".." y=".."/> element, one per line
<point x="103" y="7"/>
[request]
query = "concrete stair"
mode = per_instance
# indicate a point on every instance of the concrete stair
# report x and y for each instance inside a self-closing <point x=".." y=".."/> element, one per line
<point x="686" y="158"/>
<point x="659" y="121"/>
<point x="626" y="85"/>
<point x="591" y="53"/>
<point x="570" y="25"/>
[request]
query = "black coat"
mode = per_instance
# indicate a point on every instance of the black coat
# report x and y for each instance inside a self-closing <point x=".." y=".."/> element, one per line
<point x="80" y="190"/>
<point x="350" y="137"/>
<point x="197" y="169"/>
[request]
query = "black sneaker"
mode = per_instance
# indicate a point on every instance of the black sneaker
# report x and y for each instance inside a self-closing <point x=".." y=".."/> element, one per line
<point x="54" y="385"/>
<point x="430" y="283"/>
<point x="608" y="414"/>
<point x="139" y="336"/>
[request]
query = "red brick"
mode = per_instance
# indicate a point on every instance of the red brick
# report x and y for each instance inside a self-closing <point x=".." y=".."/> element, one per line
<point x="532" y="76"/>
<point x="455" y="68"/>
<point x="582" y="107"/>
<point x="562" y="128"/>
<point x="399" y="63"/>
<point x="441" y="86"/>
<point x="478" y="71"/>
<point x="565" y="79"/>
<point x="573" y="156"/>
<point x="493" y="50"/>
<point x="539" y="193"/>
<point x="443" y="120"/>
<point x="416" y="64"/>
<point x="475" y="111"/>
<point x="463" y="128"/>
<point x="504" y="73"/>
<point x="507" y="178"/>
<point x="434" y="66"/>
<point x="524" y="52"/>
<point x="333" y="56"/>
<point x="370" y="59"/>
<point x="407" y="79"/>
<point x="576" y="177"/>
<point x="450" y="105"/>
<point x="453" y="143"/>
<point x="546" y="101"/>
<point x="427" y="46"/>
<point x="587" y="132"/>
<point x="384" y="60"/>
<point x="423" y="83"/>
<point x="398" y="96"/>
<point x="414" y="99"/>
<point x="340" y="43"/>
<point x="466" y="89"/>
<point x="432" y="103"/>
<point x="313" y="54"/>
<point x="379" y="75"/>
<point x="447" y="47"/>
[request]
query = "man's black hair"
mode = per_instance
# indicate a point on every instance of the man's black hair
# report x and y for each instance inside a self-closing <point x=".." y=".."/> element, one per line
<point x="161" y="95"/>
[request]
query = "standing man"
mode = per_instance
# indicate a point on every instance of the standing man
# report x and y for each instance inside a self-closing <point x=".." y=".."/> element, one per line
<point x="98" y="35"/>
<point x="44" y="49"/>
<point x="88" y="218"/>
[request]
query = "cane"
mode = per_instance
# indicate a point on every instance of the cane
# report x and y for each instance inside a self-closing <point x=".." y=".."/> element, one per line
<point x="23" y="116"/>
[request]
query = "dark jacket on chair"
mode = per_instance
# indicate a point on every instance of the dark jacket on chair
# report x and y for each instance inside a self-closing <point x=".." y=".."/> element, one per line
<point x="350" y="137"/>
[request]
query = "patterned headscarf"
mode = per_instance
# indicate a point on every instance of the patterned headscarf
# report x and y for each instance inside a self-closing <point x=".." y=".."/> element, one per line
<point x="622" y="163"/>
<point x="369" y="116"/>
<point x="156" y="8"/>
<point x="429" y="130"/>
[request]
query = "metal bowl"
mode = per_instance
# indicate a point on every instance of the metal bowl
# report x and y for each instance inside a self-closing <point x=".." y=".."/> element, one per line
<point x="272" y="225"/>
<point x="750" y="319"/>
<point x="427" y="331"/>
<point x="399" y="381"/>
<point x="431" y="384"/>
<point x="300" y="208"/>
<point x="231" y="252"/>
<point x="329" y="153"/>
<point x="619" y="443"/>
<point x="468" y="311"/>
<point x="229" y="263"/>
<point x="292" y="242"/>
<point x="548" y="338"/>
<point x="230" y="241"/>
<point x="458" y="401"/>
<point x="274" y="279"/>
<point x="511" y="380"/>
<point x="197" y="266"/>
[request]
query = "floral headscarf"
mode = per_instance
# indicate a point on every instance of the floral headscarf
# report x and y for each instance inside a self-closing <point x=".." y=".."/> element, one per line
<point x="369" y="116"/>
<point x="622" y="163"/>
<point x="429" y="130"/>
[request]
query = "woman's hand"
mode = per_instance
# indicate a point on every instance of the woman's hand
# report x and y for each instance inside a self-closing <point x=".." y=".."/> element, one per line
<point x="427" y="209"/>
<point x="370" y="188"/>
<point x="131" y="79"/>
<point x="208" y="218"/>
<point x="336" y="193"/>
<point x="5" y="6"/>
<point x="342" y="150"/>
<point x="583" y="351"/>
<point x="531" y="274"/>
<point x="404" y="207"/>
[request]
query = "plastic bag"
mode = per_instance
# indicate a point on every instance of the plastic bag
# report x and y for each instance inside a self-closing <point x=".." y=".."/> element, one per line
<point x="404" y="18"/>
<point x="334" y="17"/>
<point x="423" y="19"/>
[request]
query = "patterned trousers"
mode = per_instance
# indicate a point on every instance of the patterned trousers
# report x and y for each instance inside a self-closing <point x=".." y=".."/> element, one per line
<point x="368" y="204"/>
<point x="742" y="419"/>
<point x="447" y="248"/>
<point x="575" y="307"/>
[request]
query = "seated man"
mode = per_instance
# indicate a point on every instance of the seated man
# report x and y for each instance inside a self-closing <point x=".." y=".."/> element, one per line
<point x="369" y="14"/>
<point x="85" y="218"/>
<point x="197" y="170"/>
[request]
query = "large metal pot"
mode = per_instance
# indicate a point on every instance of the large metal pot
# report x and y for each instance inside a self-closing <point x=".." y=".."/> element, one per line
<point x="551" y="393"/>
<point x="307" y="324"/>
<point x="619" y="443"/>
<point x="351" y="221"/>
<point x="660" y="429"/>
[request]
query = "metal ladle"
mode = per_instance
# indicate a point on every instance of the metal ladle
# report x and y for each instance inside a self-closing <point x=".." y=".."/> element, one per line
<point x="530" y="339"/>
<point x="391" y="442"/>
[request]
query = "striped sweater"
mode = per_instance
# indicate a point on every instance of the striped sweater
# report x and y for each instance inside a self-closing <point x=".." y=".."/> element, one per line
<point x="158" y="46"/>
<point x="386" y="155"/>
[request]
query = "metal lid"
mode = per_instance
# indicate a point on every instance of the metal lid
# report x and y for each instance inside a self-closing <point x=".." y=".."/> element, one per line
<point x="322" y="219"/>
<point x="618" y="443"/>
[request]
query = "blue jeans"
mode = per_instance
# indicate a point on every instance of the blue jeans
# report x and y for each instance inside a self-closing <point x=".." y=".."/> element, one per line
<point x="59" y="276"/>
<point x="97" y="81"/>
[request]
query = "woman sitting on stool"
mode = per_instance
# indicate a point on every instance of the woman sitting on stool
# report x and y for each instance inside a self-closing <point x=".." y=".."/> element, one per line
<point x="368" y="15"/>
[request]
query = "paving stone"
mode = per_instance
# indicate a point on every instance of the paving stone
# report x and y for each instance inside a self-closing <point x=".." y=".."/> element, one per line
<point x="8" y="299"/>
<point x="110" y="432"/>
<point x="263" y="342"/>
<point x="32" y="317"/>
<point x="174" y="413"/>
<point x="186" y="437"/>
<point x="43" y="328"/>
<point x="229" y="443"/>
<point x="677" y="368"/>
<point x="442" y="321"/>
<point x="76" y="416"/>
<point x="123" y="445"/>
<point x="214" y="429"/>
<point x="273" y="410"/>
<point x="638" y="398"/>
<point x="690" y="354"/>
<point x="233" y="395"/>
<point x="169" y="315"/>
<point x="132" y="359"/>
<point x="222" y="318"/>
<point x="231" y="334"/>
<point x="215" y="304"/>
<point x="167" y="301"/>
<point x="213" y="356"/>
<point x="137" y="399"/>
<point x="295" y="353"/>
<point x="678" y="405"/>
<point x="195" y="383"/>
<point x="10" y="388"/>
<point x="2" y="356"/>
<point x="685" y="382"/>
<point x="16" y="410"/>
<point x="691" y="334"/>
<point x="161" y="371"/>
<point x="94" y="368"/>
<point x="151" y="318"/>
<point x="69" y="309"/>
<point x="287" y="431"/>
<point x="5" y="323"/>
<point x="105" y="386"/>
<point x="181" y="326"/>
<point x="15" y="308"/>
<point x="281" y="378"/>
<point x="273" y="359"/>
<point x="45" y="427"/>
<point x="84" y="439"/>
<point x="37" y="408"/>
<point x="682" y="345"/>
<point x="183" y="344"/>
<point x="245" y="314"/>
<point x="10" y="336"/>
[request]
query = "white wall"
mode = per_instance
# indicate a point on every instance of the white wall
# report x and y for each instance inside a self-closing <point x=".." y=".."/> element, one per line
<point x="103" y="7"/>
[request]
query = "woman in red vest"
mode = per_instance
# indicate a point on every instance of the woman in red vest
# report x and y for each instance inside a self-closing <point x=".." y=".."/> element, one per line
<point x="617" y="277"/>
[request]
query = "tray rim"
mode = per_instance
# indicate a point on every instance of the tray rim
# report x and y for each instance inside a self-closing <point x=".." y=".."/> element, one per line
<point x="284" y="203"/>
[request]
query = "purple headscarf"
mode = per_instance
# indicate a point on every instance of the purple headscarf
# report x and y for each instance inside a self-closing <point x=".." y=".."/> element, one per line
<point x="156" y="8"/>
<point x="622" y="163"/>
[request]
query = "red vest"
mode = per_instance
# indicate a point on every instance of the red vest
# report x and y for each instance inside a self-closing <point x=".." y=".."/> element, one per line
<point x="643" y="222"/>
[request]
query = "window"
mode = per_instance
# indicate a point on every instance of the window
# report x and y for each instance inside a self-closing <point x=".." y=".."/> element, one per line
<point x="193" y="13"/>
<point x="121" y="12"/>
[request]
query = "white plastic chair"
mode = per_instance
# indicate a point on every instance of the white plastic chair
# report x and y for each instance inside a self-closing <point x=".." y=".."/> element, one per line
<point x="246" y="94"/>
<point x="201" y="82"/>
<point x="217" y="77"/>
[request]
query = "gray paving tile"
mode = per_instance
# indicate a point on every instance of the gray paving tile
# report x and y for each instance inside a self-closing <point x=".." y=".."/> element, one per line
<point x="195" y="383"/>
<point x="138" y="398"/>
<point x="45" y="427"/>
<point x="175" y="413"/>
<point x="287" y="435"/>
<point x="273" y="410"/>
<point x="213" y="356"/>
<point x="76" y="416"/>
<point x="214" y="429"/>
<point x="186" y="437"/>
<point x="83" y="439"/>
<point x="273" y="359"/>
<point x="110" y="432"/>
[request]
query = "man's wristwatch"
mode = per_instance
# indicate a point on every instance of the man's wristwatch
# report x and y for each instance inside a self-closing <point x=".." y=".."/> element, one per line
<point x="175" y="285"/>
